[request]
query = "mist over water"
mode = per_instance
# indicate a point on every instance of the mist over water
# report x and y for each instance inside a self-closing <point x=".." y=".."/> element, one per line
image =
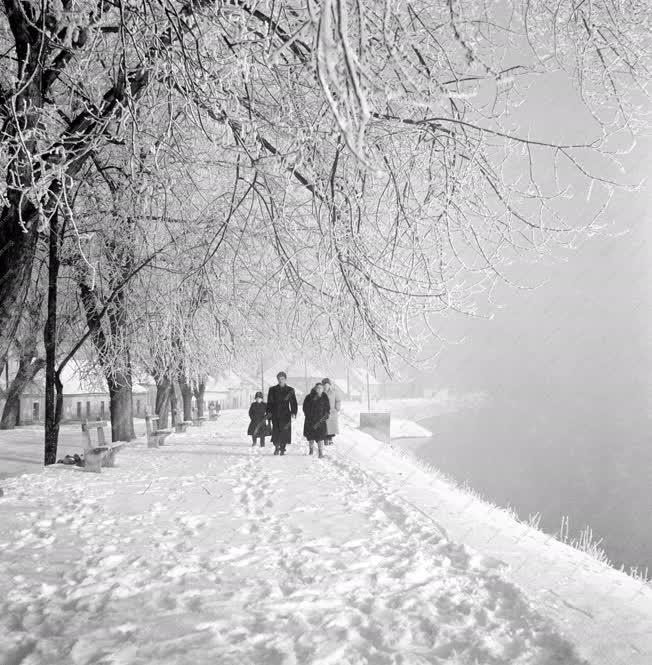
<point x="567" y="369"/>
<point x="574" y="464"/>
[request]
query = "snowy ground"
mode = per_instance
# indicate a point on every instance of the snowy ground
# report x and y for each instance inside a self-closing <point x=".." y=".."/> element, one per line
<point x="206" y="551"/>
<point x="21" y="449"/>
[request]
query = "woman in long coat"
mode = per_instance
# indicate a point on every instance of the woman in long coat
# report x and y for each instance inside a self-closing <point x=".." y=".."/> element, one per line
<point x="281" y="408"/>
<point x="258" y="426"/>
<point x="316" y="408"/>
<point x="333" y="424"/>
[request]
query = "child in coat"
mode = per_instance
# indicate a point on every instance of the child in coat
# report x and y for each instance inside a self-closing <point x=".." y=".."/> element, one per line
<point x="258" y="426"/>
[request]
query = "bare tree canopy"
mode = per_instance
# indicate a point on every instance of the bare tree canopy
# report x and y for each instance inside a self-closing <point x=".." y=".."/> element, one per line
<point x="371" y="149"/>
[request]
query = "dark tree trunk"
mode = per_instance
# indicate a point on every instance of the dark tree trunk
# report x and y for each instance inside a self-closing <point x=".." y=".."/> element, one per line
<point x="50" y="341"/>
<point x="11" y="411"/>
<point x="174" y="409"/>
<point x="121" y="406"/>
<point x="28" y="368"/>
<point x="117" y="370"/>
<point x="186" y="396"/>
<point x="199" y="390"/>
<point x="17" y="250"/>
<point x="163" y="391"/>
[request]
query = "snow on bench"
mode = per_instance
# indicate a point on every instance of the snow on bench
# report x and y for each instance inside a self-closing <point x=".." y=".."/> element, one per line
<point x="98" y="454"/>
<point x="155" y="437"/>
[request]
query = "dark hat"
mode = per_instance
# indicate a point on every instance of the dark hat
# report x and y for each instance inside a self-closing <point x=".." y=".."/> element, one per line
<point x="258" y="394"/>
<point x="328" y="381"/>
<point x="281" y="374"/>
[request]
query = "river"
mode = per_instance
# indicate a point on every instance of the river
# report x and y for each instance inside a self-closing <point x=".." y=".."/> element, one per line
<point x="596" y="471"/>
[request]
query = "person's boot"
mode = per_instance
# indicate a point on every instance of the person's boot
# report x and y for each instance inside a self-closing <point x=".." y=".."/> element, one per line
<point x="311" y="448"/>
<point x="254" y="443"/>
<point x="320" y="448"/>
<point x="276" y="450"/>
<point x="282" y="451"/>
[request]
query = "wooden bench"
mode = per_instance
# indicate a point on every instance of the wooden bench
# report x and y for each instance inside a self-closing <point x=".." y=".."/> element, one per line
<point x="212" y="413"/>
<point x="199" y="421"/>
<point x="100" y="453"/>
<point x="155" y="437"/>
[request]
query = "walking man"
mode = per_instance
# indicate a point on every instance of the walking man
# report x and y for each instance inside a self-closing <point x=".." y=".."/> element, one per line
<point x="282" y="408"/>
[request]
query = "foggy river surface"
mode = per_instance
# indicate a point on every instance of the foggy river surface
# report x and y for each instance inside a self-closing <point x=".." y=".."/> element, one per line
<point x="597" y="471"/>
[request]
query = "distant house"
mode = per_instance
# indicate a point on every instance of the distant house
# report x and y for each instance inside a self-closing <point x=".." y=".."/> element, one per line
<point x="32" y="404"/>
<point x="86" y="396"/>
<point x="142" y="400"/>
<point x="216" y="392"/>
<point x="241" y="389"/>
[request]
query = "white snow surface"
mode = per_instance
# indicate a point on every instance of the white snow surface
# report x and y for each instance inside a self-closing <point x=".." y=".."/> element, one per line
<point x="210" y="551"/>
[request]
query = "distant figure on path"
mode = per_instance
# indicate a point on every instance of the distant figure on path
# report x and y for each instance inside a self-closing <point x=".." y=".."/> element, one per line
<point x="258" y="425"/>
<point x="316" y="408"/>
<point x="335" y="402"/>
<point x="282" y="407"/>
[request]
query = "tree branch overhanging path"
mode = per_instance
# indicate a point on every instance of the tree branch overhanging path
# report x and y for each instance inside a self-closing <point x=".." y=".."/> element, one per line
<point x="356" y="163"/>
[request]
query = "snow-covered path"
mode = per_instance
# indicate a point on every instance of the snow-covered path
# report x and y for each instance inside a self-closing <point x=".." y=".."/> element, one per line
<point x="207" y="551"/>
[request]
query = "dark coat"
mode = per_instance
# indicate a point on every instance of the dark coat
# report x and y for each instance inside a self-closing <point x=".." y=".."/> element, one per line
<point x="281" y="406"/>
<point x="317" y="409"/>
<point x="258" y="416"/>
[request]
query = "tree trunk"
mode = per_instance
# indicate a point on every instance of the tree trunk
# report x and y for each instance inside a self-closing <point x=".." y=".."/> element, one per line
<point x="173" y="405"/>
<point x="200" y="389"/>
<point x="121" y="406"/>
<point x="17" y="249"/>
<point x="11" y="411"/>
<point x="27" y="370"/>
<point x="50" y="341"/>
<point x="163" y="391"/>
<point x="186" y="396"/>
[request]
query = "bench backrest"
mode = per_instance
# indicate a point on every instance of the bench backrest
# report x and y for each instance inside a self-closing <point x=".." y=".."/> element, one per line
<point x="93" y="429"/>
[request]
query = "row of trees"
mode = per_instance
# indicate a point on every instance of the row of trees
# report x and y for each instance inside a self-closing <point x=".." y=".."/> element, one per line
<point x="187" y="181"/>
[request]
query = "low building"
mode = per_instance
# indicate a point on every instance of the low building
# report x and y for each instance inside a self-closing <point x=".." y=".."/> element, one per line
<point x="241" y="389"/>
<point x="86" y="396"/>
<point x="216" y="393"/>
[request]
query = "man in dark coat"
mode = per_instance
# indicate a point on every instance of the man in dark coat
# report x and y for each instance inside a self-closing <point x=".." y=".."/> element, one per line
<point x="282" y="407"/>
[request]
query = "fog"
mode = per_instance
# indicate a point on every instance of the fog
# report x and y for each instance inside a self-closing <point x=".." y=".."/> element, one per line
<point x="566" y="429"/>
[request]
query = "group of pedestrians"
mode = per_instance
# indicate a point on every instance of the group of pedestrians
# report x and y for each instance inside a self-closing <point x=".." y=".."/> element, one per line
<point x="274" y="418"/>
